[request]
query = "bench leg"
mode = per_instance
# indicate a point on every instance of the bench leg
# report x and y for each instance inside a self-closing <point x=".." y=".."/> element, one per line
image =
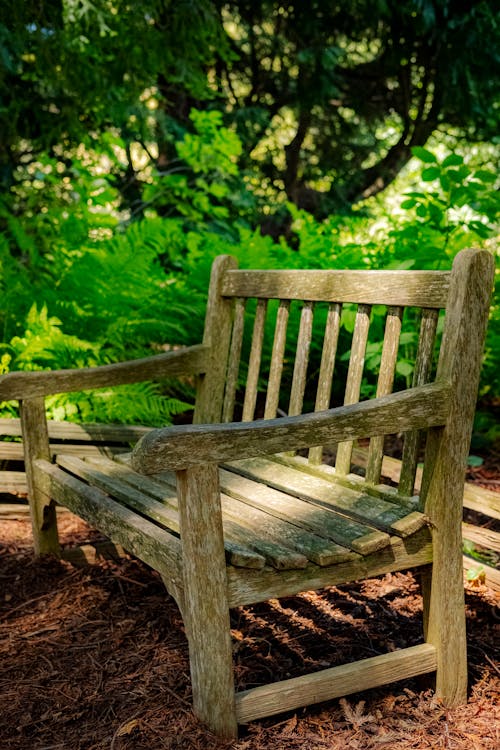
<point x="36" y="445"/>
<point x="444" y="602"/>
<point x="446" y="631"/>
<point x="205" y="606"/>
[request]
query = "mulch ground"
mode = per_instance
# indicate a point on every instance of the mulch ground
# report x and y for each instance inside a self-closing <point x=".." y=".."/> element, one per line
<point x="96" y="658"/>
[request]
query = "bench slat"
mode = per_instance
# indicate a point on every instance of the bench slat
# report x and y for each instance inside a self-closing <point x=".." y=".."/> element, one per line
<point x="325" y="379"/>
<point x="242" y="533"/>
<point x="354" y="377"/>
<point x="112" y="433"/>
<point x="258" y="512"/>
<point x="326" y="522"/>
<point x="301" y="360"/>
<point x="278" y="353"/>
<point x="257" y="499"/>
<point x="254" y="362"/>
<point x="162" y="510"/>
<point x="234" y="360"/>
<point x="384" y="386"/>
<point x="359" y="506"/>
<point x="421" y="375"/>
<point x="150" y="543"/>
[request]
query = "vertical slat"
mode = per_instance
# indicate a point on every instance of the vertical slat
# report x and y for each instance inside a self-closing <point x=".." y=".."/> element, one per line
<point x="354" y="377"/>
<point x="384" y="386"/>
<point x="36" y="445"/>
<point x="423" y="364"/>
<point x="326" y="369"/>
<point x="276" y="369"/>
<point x="217" y="335"/>
<point x="444" y="468"/>
<point x="254" y="364"/>
<point x="234" y="359"/>
<point x="301" y="360"/>
<point x="206" y="609"/>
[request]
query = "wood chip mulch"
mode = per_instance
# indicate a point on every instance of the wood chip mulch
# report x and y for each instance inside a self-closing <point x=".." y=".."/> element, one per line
<point x="96" y="658"/>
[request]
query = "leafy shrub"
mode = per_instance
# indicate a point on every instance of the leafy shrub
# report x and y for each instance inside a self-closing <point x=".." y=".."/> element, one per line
<point x="84" y="285"/>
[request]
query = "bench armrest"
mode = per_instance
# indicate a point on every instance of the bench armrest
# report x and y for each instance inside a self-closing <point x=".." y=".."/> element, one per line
<point x="188" y="445"/>
<point x="24" y="385"/>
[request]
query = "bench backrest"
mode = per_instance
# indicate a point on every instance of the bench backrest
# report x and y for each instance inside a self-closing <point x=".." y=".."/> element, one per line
<point x="250" y="313"/>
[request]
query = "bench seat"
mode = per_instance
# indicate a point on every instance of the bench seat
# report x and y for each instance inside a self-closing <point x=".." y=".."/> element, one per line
<point x="277" y="516"/>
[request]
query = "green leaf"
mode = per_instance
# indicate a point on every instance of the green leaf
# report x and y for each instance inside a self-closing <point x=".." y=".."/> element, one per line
<point x="424" y="155"/>
<point x="444" y="181"/>
<point x="476" y="573"/>
<point x="404" y="368"/>
<point x="430" y="174"/>
<point x="453" y="160"/>
<point x="409" y="203"/>
<point x="475" y="461"/>
<point x="485" y="176"/>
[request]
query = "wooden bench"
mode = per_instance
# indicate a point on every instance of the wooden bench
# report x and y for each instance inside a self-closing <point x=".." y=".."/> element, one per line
<point x="229" y="514"/>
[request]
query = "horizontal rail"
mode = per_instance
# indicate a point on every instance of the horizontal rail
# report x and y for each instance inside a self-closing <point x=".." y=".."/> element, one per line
<point x="88" y="432"/>
<point x="334" y="682"/>
<point x="184" y="446"/>
<point x="396" y="288"/>
<point x="23" y="385"/>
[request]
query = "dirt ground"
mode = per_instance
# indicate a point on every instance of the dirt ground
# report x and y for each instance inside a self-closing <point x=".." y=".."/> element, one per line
<point x="96" y="658"/>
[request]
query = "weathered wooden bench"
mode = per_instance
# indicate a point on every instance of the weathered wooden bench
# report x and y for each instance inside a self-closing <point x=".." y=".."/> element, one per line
<point x="229" y="514"/>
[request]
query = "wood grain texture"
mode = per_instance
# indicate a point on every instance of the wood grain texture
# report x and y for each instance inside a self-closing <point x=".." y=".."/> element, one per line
<point x="384" y="386"/>
<point x="88" y="432"/>
<point x="155" y="500"/>
<point x="445" y="461"/>
<point x="154" y="546"/>
<point x="301" y="359"/>
<point x="294" y="503"/>
<point x="36" y="446"/>
<point x="186" y="445"/>
<point x="216" y="337"/>
<point x="278" y="353"/>
<point x="20" y="385"/>
<point x="254" y="361"/>
<point x="206" y="609"/>
<point x="354" y="377"/>
<point x="15" y="451"/>
<point x="401" y="288"/>
<point x="327" y="367"/>
<point x="326" y="493"/>
<point x="350" y="481"/>
<point x="421" y="375"/>
<point x="334" y="682"/>
<point x="483" y="536"/>
<point x="474" y="497"/>
<point x="249" y="587"/>
<point x="233" y="366"/>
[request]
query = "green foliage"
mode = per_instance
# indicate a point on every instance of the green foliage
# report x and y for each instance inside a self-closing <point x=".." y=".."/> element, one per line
<point x="457" y="205"/>
<point x="86" y="283"/>
<point x="327" y="99"/>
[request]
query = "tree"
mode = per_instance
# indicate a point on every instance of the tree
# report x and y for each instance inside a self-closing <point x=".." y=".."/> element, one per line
<point x="71" y="69"/>
<point x="328" y="98"/>
<point x="355" y="86"/>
